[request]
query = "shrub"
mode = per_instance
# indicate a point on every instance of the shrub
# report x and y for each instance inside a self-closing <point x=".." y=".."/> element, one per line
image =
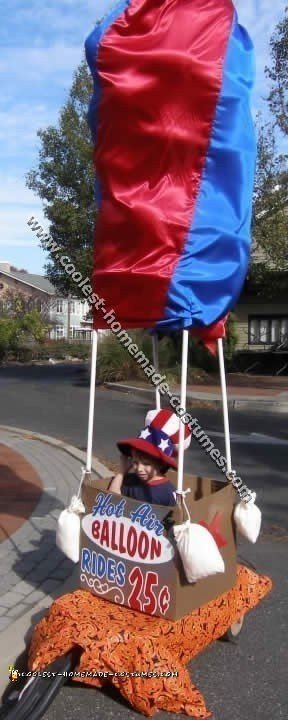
<point x="56" y="350"/>
<point x="114" y="362"/>
<point x="9" y="336"/>
<point x="32" y="325"/>
<point x="232" y="336"/>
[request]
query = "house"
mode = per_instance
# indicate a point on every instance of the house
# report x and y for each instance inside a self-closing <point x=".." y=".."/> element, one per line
<point x="67" y="316"/>
<point x="262" y="323"/>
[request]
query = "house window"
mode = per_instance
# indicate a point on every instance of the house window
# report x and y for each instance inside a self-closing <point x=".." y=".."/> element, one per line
<point x="72" y="307"/>
<point x="79" y="308"/>
<point x="275" y="330"/>
<point x="284" y="329"/>
<point x="59" y="331"/>
<point x="264" y="330"/>
<point x="79" y="333"/>
<point x="59" y="306"/>
<point x="267" y="330"/>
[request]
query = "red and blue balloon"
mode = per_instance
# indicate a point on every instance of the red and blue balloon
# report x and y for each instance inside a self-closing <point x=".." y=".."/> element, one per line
<point x="174" y="158"/>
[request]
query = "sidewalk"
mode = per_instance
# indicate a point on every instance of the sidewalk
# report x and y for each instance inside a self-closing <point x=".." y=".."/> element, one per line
<point x="38" y="476"/>
<point x="256" y="398"/>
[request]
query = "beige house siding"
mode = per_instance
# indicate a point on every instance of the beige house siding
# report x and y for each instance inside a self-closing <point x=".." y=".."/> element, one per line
<point x="242" y="328"/>
<point x="256" y="307"/>
<point x="10" y="283"/>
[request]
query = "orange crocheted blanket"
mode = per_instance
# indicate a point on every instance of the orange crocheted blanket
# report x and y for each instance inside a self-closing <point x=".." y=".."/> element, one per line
<point x="115" y="639"/>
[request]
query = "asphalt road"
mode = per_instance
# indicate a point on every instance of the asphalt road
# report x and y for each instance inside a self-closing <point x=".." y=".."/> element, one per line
<point x="244" y="682"/>
<point x="53" y="400"/>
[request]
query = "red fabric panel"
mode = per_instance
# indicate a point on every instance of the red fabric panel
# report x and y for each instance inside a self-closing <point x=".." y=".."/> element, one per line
<point x="160" y="73"/>
<point x="210" y="335"/>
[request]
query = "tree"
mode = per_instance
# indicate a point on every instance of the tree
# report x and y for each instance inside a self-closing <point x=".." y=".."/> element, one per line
<point x="270" y="208"/>
<point x="33" y="328"/>
<point x="18" y="331"/>
<point x="64" y="180"/>
<point x="278" y="74"/>
<point x="9" y="336"/>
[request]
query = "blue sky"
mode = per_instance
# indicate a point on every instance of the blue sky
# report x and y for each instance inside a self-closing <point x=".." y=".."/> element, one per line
<point x="41" y="45"/>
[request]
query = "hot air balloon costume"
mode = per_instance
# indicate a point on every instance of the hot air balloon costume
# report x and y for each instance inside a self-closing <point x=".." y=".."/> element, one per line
<point x="174" y="159"/>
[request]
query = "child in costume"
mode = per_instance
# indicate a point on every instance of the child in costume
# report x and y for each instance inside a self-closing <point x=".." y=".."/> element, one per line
<point x="145" y="460"/>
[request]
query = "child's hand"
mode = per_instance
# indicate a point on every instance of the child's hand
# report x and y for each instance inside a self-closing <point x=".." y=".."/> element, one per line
<point x="126" y="463"/>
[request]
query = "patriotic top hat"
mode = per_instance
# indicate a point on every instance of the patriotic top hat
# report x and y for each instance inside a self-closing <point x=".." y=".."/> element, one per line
<point x="158" y="437"/>
<point x="170" y="424"/>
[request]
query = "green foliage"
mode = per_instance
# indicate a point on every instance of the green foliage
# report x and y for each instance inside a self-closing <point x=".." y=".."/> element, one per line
<point x="17" y="332"/>
<point x="278" y="74"/>
<point x="198" y="355"/>
<point x="115" y="364"/>
<point x="232" y="337"/>
<point x="55" y="350"/>
<point x="270" y="211"/>
<point x="272" y="285"/>
<point x="114" y="361"/>
<point x="10" y="333"/>
<point x="64" y="180"/>
<point x="32" y="325"/>
<point x="59" y="350"/>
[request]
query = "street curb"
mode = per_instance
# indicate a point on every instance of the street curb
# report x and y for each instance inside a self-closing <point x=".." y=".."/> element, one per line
<point x="258" y="403"/>
<point x="97" y="467"/>
<point x="146" y="393"/>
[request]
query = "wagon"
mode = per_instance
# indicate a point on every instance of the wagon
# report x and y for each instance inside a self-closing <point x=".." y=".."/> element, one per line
<point x="132" y="586"/>
<point x="175" y="157"/>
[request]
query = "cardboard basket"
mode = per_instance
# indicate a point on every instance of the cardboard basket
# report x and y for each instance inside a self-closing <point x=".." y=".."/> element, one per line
<point x="128" y="553"/>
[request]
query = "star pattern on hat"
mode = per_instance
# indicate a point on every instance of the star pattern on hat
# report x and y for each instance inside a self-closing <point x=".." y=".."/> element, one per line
<point x="145" y="433"/>
<point x="163" y="445"/>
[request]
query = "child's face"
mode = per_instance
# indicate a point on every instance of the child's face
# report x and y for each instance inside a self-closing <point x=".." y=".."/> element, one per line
<point x="144" y="466"/>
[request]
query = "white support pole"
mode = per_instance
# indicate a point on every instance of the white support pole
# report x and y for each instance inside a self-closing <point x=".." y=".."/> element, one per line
<point x="156" y="366"/>
<point x="224" y="404"/>
<point x="184" y="366"/>
<point x="91" y="401"/>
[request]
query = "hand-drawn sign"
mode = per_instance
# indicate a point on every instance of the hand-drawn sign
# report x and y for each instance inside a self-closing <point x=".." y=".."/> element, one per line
<point x="125" y="552"/>
<point x="127" y="540"/>
<point x="128" y="555"/>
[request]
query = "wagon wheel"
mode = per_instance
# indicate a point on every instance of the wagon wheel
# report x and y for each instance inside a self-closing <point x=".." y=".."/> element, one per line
<point x="33" y="699"/>
<point x="232" y="635"/>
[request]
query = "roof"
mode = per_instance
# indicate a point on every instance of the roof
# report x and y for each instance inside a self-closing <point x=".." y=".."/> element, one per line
<point x="36" y="281"/>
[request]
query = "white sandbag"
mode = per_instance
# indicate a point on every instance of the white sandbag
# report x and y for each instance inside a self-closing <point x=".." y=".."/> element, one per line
<point x="248" y="518"/>
<point x="68" y="529"/>
<point x="198" y="551"/>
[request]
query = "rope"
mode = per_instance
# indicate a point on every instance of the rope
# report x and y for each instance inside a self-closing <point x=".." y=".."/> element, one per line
<point x="83" y="473"/>
<point x="183" y="494"/>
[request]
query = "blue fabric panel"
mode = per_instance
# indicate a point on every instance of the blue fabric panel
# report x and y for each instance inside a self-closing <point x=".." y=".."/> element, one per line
<point x="211" y="271"/>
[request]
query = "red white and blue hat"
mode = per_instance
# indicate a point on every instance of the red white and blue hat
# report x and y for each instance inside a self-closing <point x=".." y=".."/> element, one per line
<point x="159" y="438"/>
<point x="170" y="424"/>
